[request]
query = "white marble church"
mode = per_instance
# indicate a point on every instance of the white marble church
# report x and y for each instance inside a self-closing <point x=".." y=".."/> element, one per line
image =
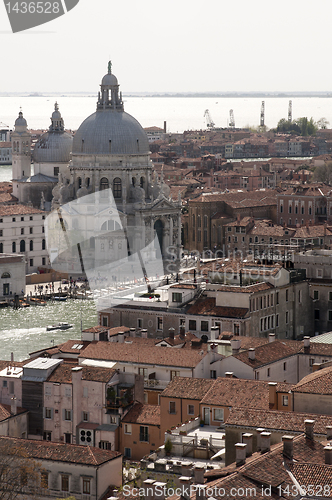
<point x="109" y="157"/>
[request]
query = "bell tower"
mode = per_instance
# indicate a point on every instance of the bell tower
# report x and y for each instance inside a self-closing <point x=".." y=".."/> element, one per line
<point x="21" y="152"/>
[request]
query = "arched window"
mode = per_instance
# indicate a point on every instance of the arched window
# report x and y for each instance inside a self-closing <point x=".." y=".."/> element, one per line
<point x="103" y="186"/>
<point x="133" y="180"/>
<point x="79" y="182"/>
<point x="14" y="247"/>
<point x="142" y="182"/>
<point x="87" y="182"/>
<point x="31" y="245"/>
<point x="6" y="274"/>
<point x="22" y="246"/>
<point x="117" y="188"/>
<point x="43" y="244"/>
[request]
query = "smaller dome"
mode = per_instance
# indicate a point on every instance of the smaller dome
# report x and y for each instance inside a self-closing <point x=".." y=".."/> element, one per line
<point x="109" y="80"/>
<point x="20" y="122"/>
<point x="53" y="147"/>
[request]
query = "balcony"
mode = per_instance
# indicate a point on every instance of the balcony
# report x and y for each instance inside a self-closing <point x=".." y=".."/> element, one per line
<point x="155" y="384"/>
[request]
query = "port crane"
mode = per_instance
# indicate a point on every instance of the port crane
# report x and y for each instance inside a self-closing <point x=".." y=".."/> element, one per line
<point x="231" y="119"/>
<point x="209" y="122"/>
<point x="290" y="111"/>
<point x="262" y="113"/>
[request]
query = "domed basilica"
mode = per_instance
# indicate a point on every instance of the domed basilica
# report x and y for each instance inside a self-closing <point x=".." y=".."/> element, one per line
<point x="109" y="156"/>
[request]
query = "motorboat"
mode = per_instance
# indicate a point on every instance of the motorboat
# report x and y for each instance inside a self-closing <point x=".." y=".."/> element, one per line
<point x="58" y="326"/>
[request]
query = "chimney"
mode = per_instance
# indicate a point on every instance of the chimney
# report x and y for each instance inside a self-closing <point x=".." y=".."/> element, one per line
<point x="272" y="337"/>
<point x="171" y="332"/>
<point x="288" y="446"/>
<point x="13" y="405"/>
<point x="185" y="487"/>
<point x="164" y="126"/>
<point x="229" y="374"/>
<point x="247" y="439"/>
<point x="306" y="342"/>
<point x="236" y="345"/>
<point x="144" y="333"/>
<point x="316" y="366"/>
<point x="309" y="429"/>
<point x="213" y="333"/>
<point x="200" y="492"/>
<point x="265" y="441"/>
<point x="328" y="454"/>
<point x="132" y="332"/>
<point x="329" y="432"/>
<point x="273" y="401"/>
<point x="240" y="454"/>
<point x="148" y="486"/>
<point x="186" y="469"/>
<point x="251" y="354"/>
<point x="11" y="356"/>
<point x="259" y="431"/>
<point x="159" y="490"/>
<point x="182" y="332"/>
<point x="199" y="474"/>
<point x="121" y="337"/>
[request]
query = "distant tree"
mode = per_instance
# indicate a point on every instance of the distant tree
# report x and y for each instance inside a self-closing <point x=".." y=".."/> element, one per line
<point x="323" y="173"/>
<point x="19" y="474"/>
<point x="323" y="123"/>
<point x="301" y="126"/>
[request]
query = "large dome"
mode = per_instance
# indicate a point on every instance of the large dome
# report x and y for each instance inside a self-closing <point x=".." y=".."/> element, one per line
<point x="53" y="147"/>
<point x="110" y="131"/>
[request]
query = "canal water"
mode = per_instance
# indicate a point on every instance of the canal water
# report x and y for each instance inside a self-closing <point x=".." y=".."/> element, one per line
<point x="23" y="331"/>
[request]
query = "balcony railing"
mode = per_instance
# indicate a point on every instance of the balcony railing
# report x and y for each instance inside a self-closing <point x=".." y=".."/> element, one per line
<point x="155" y="384"/>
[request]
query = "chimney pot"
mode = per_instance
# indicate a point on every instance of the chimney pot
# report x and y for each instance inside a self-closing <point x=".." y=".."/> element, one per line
<point x="236" y="345"/>
<point x="259" y="431"/>
<point x="329" y="432"/>
<point x="185" y="486"/>
<point x="200" y="492"/>
<point x="240" y="454"/>
<point x="265" y="441"/>
<point x="288" y="446"/>
<point x="328" y="454"/>
<point x="251" y="353"/>
<point x="272" y="337"/>
<point x="309" y="429"/>
<point x="247" y="439"/>
<point x="229" y="374"/>
<point x="144" y="333"/>
<point x="171" y="332"/>
<point x="199" y="474"/>
<point x="159" y="490"/>
<point x="148" y="486"/>
<point x="306" y="342"/>
<point x="213" y="333"/>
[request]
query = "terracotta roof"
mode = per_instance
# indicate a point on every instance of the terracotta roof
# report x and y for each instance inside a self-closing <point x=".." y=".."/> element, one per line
<point x="258" y="287"/>
<point x="19" y="209"/>
<point x="152" y="355"/>
<point x="268" y="353"/>
<point x="207" y="307"/>
<point x="315" y="475"/>
<point x="63" y="374"/>
<point x="60" y="452"/>
<point x="318" y="382"/>
<point x="143" y="414"/>
<point x="239" y="393"/>
<point x="187" y="388"/>
<point x="185" y="286"/>
<point x="5" y="412"/>
<point x="277" y="420"/>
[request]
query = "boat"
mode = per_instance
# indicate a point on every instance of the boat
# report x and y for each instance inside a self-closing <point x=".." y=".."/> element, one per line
<point x="58" y="326"/>
<point x="37" y="301"/>
<point x="59" y="298"/>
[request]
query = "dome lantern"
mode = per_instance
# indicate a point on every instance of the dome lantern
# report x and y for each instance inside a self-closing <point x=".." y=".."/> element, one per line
<point x="109" y="94"/>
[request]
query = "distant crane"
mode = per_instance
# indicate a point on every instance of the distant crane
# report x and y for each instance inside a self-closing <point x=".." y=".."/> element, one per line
<point x="209" y="122"/>
<point x="262" y="113"/>
<point x="290" y="111"/>
<point x="231" y="119"/>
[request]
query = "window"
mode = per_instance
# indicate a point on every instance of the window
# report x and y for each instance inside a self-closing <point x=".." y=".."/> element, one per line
<point x="48" y="390"/>
<point x="22" y="230"/>
<point x="287" y="294"/>
<point x="1" y="247"/>
<point x="316" y="314"/>
<point x="176" y="297"/>
<point x="287" y="316"/>
<point x="268" y="372"/>
<point x="43" y="261"/>
<point x="31" y="245"/>
<point x="4" y="383"/>
<point x="159" y="323"/>
<point x="48" y="413"/>
<point x="117" y="188"/>
<point x="191" y="410"/>
<point x="330" y="315"/>
<point x="277" y="298"/>
<point x="213" y="374"/>
<point x="104" y="320"/>
<point x="85" y="416"/>
<point x="218" y="414"/>
<point x="127" y="429"/>
<point x="174" y="373"/>
<point x="144" y="434"/>
<point x="47" y="436"/>
<point x="192" y="324"/>
<point x="31" y="262"/>
<point x="67" y="414"/>
<point x="105" y="445"/>
<point x="300" y="296"/>
<point x="68" y="392"/>
<point x="172" y="408"/>
<point x="143" y="372"/>
<point x="330" y="295"/>
<point x="43" y="244"/>
<point x="316" y="295"/>
<point x="285" y="401"/>
<point x="311" y="361"/>
<point x="44" y="480"/>
<point x="285" y="366"/>
<point x="204" y="326"/>
<point x="127" y="452"/>
<point x="14" y="219"/>
<point x="86" y="486"/>
<point x="31" y="230"/>
<point x="64" y="483"/>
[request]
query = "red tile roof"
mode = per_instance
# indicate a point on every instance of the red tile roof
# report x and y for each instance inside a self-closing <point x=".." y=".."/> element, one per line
<point x="207" y="307"/>
<point x="187" y="388"/>
<point x="268" y="353"/>
<point x="238" y="393"/>
<point x="143" y="414"/>
<point x="63" y="374"/>
<point x="318" y="382"/>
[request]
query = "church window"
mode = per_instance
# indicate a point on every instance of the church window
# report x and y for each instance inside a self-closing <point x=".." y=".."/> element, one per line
<point x="117" y="188"/>
<point x="199" y="221"/>
<point x="103" y="184"/>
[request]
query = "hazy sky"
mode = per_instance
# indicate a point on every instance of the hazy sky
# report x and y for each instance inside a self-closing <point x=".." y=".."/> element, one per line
<point x="176" y="45"/>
